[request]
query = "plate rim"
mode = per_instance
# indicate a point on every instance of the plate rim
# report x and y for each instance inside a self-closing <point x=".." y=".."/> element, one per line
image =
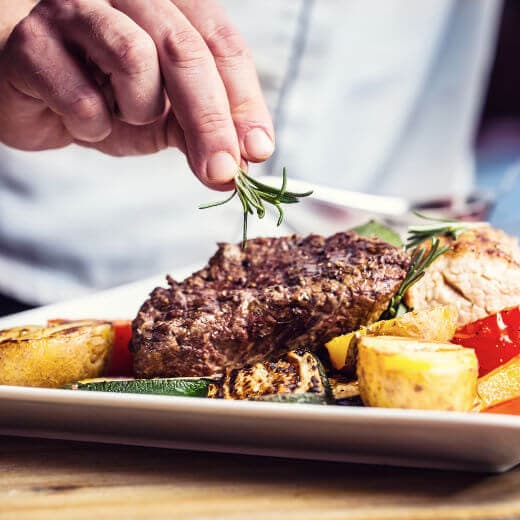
<point x="222" y="407"/>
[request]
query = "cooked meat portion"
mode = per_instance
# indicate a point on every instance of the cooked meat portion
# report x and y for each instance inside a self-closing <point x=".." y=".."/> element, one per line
<point x="480" y="276"/>
<point x="276" y="295"/>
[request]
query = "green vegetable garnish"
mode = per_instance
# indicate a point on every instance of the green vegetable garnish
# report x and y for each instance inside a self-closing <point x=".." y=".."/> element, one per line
<point x="303" y="398"/>
<point x="418" y="234"/>
<point x="420" y="262"/>
<point x="374" y="229"/>
<point x="253" y="194"/>
<point x="178" y="386"/>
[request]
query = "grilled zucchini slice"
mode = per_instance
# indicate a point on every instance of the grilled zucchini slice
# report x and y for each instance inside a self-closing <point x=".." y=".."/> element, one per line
<point x="184" y="387"/>
<point x="297" y="372"/>
<point x="306" y="398"/>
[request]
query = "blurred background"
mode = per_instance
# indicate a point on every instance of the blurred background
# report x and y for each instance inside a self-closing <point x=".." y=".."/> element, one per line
<point x="497" y="142"/>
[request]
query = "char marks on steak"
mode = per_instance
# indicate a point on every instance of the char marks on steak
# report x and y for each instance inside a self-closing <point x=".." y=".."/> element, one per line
<point x="277" y="294"/>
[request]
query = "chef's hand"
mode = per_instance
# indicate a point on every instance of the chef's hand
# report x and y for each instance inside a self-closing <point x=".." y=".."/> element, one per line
<point x="133" y="77"/>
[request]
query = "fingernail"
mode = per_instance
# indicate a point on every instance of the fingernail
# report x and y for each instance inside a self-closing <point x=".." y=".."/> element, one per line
<point x="221" y="167"/>
<point x="258" y="144"/>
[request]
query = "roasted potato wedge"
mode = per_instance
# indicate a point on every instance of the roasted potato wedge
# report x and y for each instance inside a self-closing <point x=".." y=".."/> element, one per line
<point x="437" y="324"/>
<point x="54" y="356"/>
<point x="396" y="372"/>
<point x="500" y="384"/>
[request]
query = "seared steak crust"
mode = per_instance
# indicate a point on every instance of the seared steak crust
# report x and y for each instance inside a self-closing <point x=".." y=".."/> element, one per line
<point x="277" y="294"/>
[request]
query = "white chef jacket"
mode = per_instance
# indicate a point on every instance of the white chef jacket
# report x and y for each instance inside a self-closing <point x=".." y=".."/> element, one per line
<point x="381" y="96"/>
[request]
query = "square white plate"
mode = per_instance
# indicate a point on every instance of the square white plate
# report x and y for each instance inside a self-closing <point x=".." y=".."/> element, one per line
<point x="446" y="440"/>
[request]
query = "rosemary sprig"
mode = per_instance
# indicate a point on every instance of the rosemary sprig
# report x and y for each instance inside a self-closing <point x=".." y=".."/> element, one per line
<point x="421" y="260"/>
<point x="418" y="234"/>
<point x="423" y="257"/>
<point x="253" y="194"/>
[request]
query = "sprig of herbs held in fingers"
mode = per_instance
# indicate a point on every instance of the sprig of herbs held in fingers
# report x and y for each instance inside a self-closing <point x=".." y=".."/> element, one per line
<point x="253" y="194"/>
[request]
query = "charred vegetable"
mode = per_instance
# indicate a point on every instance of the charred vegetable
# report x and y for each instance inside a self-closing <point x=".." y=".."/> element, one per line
<point x="306" y="398"/>
<point x="296" y="373"/>
<point x="184" y="387"/>
<point x="343" y="388"/>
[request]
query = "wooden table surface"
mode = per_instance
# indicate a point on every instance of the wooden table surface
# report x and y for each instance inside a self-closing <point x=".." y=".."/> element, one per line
<point x="58" y="479"/>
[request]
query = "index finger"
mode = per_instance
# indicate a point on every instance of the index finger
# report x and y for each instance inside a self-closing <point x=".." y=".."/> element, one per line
<point x="238" y="72"/>
<point x="197" y="94"/>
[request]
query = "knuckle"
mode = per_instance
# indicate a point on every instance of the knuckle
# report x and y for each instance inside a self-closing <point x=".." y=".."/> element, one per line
<point x="27" y="45"/>
<point x="28" y="30"/>
<point x="245" y="105"/>
<point x="212" y="122"/>
<point x="64" y="4"/>
<point x="185" y="47"/>
<point x="87" y="107"/>
<point x="135" y="53"/>
<point x="58" y="9"/>
<point x="225" y="42"/>
<point x="71" y="4"/>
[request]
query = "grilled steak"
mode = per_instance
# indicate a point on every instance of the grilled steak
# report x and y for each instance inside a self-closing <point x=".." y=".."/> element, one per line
<point x="480" y="275"/>
<point x="277" y="294"/>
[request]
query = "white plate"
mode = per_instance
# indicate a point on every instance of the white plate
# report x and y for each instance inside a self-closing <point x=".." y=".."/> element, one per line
<point x="445" y="440"/>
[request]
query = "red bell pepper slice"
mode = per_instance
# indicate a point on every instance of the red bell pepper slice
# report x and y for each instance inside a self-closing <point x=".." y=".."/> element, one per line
<point x="121" y="364"/>
<point x="495" y="338"/>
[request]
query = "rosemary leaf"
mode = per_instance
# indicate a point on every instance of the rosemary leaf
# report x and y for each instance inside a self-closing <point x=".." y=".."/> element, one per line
<point x="218" y="203"/>
<point x="419" y="233"/>
<point x="423" y="257"/>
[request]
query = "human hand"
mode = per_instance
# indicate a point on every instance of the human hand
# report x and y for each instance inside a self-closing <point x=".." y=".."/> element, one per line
<point x="134" y="77"/>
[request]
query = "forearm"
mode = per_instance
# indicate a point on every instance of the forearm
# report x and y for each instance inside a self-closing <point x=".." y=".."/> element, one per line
<point x="11" y="12"/>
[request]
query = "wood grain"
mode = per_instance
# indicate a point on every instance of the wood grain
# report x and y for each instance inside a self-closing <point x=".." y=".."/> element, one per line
<point x="54" y="480"/>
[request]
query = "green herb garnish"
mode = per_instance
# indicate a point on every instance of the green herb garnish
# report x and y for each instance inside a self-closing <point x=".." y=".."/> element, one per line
<point x="252" y="195"/>
<point x="421" y="260"/>
<point x="374" y="229"/>
<point x="418" y="234"/>
<point x="423" y="257"/>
